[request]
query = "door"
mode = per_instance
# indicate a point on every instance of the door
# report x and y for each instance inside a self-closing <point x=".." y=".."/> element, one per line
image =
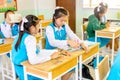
<point x="70" y="5"/>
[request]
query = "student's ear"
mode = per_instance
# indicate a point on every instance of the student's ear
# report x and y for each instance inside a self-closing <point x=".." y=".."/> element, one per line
<point x="54" y="17"/>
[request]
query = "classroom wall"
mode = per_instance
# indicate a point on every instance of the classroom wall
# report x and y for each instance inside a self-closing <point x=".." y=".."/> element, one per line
<point x="35" y="7"/>
<point x="47" y="7"/>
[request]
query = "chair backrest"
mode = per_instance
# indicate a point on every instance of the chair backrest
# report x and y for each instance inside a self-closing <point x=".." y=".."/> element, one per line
<point x="41" y="17"/>
<point x="102" y="69"/>
<point x="43" y="43"/>
<point x="84" y="33"/>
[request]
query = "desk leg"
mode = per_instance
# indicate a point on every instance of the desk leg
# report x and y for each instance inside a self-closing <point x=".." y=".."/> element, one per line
<point x="25" y="73"/>
<point x="80" y="67"/>
<point x="50" y="76"/>
<point x="97" y="58"/>
<point x="2" y="68"/>
<point x="112" y="59"/>
<point x="119" y="43"/>
<point x="76" y="72"/>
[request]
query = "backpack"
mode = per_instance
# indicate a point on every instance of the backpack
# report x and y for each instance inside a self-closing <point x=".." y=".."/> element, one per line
<point x="86" y="72"/>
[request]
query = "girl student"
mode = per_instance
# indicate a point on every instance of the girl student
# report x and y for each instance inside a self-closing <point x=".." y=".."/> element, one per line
<point x="7" y="28"/>
<point x="95" y="23"/>
<point x="104" y="19"/>
<point x="57" y="33"/>
<point x="24" y="47"/>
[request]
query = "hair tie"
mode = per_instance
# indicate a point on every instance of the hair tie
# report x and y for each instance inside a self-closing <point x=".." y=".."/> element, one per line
<point x="98" y="8"/>
<point x="58" y="7"/>
<point x="24" y="20"/>
<point x="104" y="3"/>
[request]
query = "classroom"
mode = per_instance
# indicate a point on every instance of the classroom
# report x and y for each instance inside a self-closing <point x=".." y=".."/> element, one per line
<point x="59" y="39"/>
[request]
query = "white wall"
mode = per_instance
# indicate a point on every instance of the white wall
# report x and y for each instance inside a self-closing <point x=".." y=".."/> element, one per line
<point x="45" y="7"/>
<point x="25" y="4"/>
<point x="35" y="7"/>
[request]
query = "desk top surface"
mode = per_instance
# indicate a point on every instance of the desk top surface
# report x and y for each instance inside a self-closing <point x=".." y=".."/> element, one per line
<point x="52" y="64"/>
<point x="110" y="29"/>
<point x="6" y="42"/>
<point x="7" y="46"/>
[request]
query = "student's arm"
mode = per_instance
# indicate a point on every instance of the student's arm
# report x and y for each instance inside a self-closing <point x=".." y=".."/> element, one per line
<point x="34" y="58"/>
<point x="51" y="38"/>
<point x="6" y="31"/>
<point x="97" y="25"/>
<point x="72" y="35"/>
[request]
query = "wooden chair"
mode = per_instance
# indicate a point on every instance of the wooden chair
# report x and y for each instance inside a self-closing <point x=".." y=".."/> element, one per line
<point x="41" y="17"/>
<point x="84" y="32"/>
<point x="8" y="71"/>
<point x="43" y="43"/>
<point x="102" y="69"/>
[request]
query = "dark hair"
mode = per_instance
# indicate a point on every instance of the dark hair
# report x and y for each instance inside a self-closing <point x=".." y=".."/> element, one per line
<point x="60" y="12"/>
<point x="5" y="15"/>
<point x="99" y="10"/>
<point x="31" y="21"/>
<point x="104" y="5"/>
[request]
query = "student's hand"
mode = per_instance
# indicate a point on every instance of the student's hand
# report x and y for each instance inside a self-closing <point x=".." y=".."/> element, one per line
<point x="107" y="24"/>
<point x="55" y="55"/>
<point x="73" y="44"/>
<point x="85" y="47"/>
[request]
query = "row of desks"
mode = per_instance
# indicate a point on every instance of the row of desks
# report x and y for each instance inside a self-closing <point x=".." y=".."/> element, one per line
<point x="53" y="69"/>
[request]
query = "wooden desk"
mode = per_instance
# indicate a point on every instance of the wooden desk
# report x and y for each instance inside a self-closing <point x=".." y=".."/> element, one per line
<point x="54" y="68"/>
<point x="6" y="47"/>
<point x="110" y="32"/>
<point x="94" y="50"/>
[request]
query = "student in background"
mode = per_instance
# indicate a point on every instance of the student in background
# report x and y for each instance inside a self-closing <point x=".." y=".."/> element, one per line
<point x="95" y="23"/>
<point x="7" y="28"/>
<point x="57" y="33"/>
<point x="24" y="47"/>
<point x="104" y="19"/>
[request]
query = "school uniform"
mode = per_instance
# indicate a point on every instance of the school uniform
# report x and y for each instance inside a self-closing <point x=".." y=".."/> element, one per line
<point x="95" y="24"/>
<point x="7" y="31"/>
<point x="104" y="19"/>
<point x="115" y="69"/>
<point x="57" y="38"/>
<point x="27" y="51"/>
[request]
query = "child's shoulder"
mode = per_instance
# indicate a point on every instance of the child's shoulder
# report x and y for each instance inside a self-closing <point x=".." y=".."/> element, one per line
<point x="92" y="18"/>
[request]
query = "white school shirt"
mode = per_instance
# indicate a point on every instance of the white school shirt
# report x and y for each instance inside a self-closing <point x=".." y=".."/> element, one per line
<point x="61" y="43"/>
<point x="6" y="30"/>
<point x="33" y="58"/>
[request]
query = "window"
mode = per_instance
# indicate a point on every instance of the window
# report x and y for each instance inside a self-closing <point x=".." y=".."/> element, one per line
<point x="94" y="3"/>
